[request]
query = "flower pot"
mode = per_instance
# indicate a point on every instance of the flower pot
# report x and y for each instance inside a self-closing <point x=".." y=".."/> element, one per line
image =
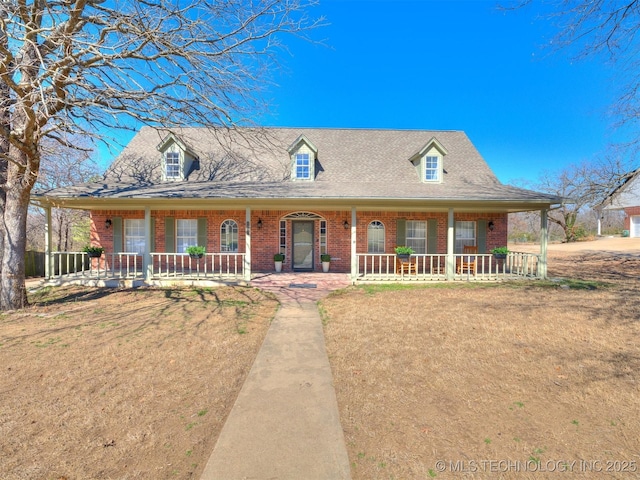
<point x="499" y="256"/>
<point x="94" y="254"/>
<point x="325" y="266"/>
<point x="278" y="266"/>
<point x="196" y="256"/>
<point x="403" y="257"/>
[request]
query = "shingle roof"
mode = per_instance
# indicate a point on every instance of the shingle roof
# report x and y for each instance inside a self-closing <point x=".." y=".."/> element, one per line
<point x="351" y="164"/>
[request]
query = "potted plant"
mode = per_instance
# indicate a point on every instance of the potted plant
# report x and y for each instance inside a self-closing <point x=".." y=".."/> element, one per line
<point x="500" y="253"/>
<point x="325" y="258"/>
<point x="403" y="252"/>
<point x="195" y="251"/>
<point x="278" y="259"/>
<point x="93" y="252"/>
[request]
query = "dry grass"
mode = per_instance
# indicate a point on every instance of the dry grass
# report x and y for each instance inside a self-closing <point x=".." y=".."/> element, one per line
<point x="136" y="384"/>
<point x="496" y="378"/>
<point x="128" y="384"/>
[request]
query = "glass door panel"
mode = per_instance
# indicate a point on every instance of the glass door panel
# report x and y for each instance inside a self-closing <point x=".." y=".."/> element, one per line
<point x="303" y="245"/>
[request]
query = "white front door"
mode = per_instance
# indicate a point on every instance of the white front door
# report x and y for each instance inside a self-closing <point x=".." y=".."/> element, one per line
<point x="634" y="231"/>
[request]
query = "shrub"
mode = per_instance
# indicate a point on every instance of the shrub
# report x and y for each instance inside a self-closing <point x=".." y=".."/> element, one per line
<point x="278" y="257"/>
<point x="325" y="257"/>
<point x="195" y="250"/>
<point x="403" y="250"/>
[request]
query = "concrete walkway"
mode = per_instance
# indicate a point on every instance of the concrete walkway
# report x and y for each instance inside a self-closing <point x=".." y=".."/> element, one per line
<point x="285" y="422"/>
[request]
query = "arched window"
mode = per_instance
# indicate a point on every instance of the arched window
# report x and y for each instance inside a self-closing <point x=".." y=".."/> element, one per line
<point x="229" y="236"/>
<point x="375" y="237"/>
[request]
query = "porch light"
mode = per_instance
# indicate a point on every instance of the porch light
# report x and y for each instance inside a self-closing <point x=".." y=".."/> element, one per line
<point x="259" y="223"/>
<point x="490" y="225"/>
<point x="107" y="223"/>
<point x="346" y="225"/>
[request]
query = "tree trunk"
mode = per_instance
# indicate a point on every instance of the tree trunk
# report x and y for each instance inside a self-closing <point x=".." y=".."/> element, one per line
<point x="21" y="175"/>
<point x="13" y="293"/>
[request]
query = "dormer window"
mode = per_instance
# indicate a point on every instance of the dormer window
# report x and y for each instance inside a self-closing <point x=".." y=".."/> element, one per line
<point x="303" y="159"/>
<point x="172" y="163"/>
<point x="302" y="166"/>
<point x="428" y="161"/>
<point x="432" y="168"/>
<point x="177" y="158"/>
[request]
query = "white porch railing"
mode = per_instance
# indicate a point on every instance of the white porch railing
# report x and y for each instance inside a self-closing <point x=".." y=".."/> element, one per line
<point x="212" y="266"/>
<point x="230" y="266"/>
<point x="387" y="267"/>
<point x="80" y="264"/>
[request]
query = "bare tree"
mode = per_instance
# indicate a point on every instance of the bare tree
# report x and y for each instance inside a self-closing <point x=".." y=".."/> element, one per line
<point x="583" y="187"/>
<point x="63" y="166"/>
<point x="78" y="66"/>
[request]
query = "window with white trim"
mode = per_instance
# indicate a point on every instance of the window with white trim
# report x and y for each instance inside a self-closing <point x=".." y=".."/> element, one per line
<point x="229" y="236"/>
<point x="186" y="234"/>
<point x="432" y="168"/>
<point x="323" y="237"/>
<point x="375" y="237"/>
<point x="172" y="164"/>
<point x="465" y="235"/>
<point x="417" y="236"/>
<point x="283" y="237"/>
<point x="134" y="235"/>
<point x="302" y="167"/>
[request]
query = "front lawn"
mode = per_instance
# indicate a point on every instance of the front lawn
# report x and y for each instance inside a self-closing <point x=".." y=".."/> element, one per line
<point x="495" y="381"/>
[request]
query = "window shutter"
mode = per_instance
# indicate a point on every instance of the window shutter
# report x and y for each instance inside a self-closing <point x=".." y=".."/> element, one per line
<point x="116" y="225"/>
<point x="455" y="239"/>
<point x="202" y="232"/>
<point x="152" y="247"/>
<point x="169" y="235"/>
<point x="481" y="236"/>
<point x="401" y="231"/>
<point x="432" y="236"/>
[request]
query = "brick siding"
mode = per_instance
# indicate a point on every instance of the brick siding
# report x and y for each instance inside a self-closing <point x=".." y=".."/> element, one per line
<point x="265" y="241"/>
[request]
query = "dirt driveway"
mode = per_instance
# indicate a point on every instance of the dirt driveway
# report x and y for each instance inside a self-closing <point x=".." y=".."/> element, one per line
<point x="603" y="244"/>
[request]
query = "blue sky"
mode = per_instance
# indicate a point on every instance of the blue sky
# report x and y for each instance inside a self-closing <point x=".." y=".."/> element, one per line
<point x="449" y="65"/>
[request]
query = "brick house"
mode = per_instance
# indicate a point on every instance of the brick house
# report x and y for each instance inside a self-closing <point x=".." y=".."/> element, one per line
<point x="246" y="194"/>
<point x="627" y="197"/>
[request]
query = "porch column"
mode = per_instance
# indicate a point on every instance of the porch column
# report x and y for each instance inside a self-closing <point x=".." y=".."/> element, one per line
<point x="599" y="213"/>
<point x="354" y="250"/>
<point x="450" y="245"/>
<point x="246" y="266"/>
<point x="48" y="266"/>
<point x="147" y="263"/>
<point x="544" y="239"/>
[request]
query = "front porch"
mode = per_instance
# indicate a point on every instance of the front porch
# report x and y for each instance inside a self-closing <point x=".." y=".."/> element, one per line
<point x="117" y="269"/>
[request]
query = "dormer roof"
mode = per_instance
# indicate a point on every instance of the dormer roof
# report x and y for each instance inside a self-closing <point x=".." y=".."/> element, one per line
<point x="172" y="138"/>
<point x="300" y="140"/>
<point x="433" y="142"/>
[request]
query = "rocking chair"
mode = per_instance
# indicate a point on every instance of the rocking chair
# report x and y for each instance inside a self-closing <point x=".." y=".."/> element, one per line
<point x="468" y="262"/>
